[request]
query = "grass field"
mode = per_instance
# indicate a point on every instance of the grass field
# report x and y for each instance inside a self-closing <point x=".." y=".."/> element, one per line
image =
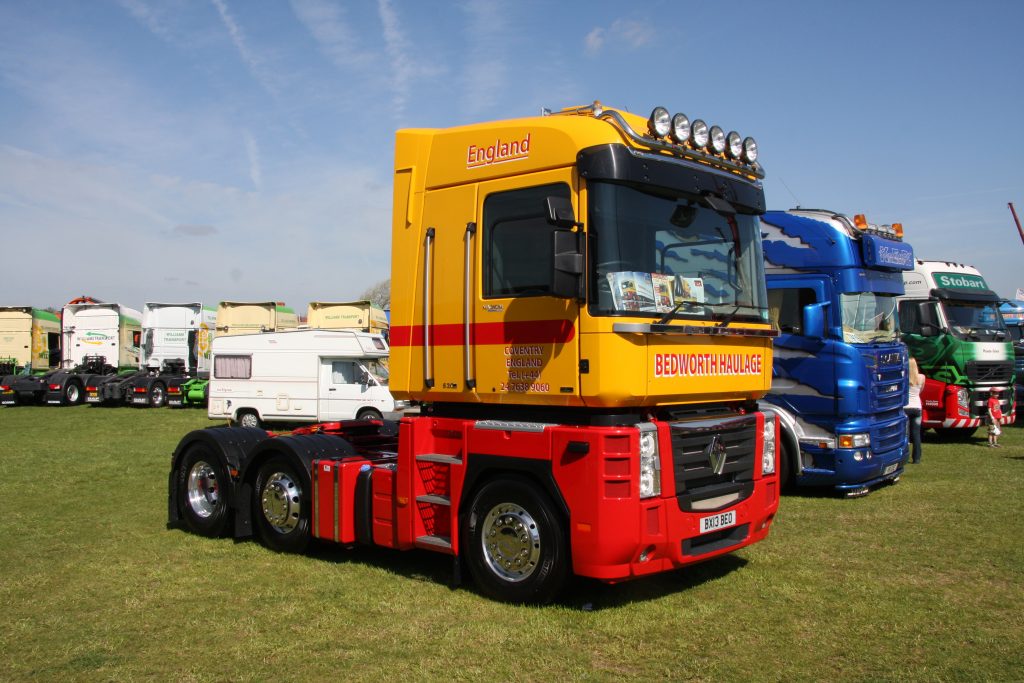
<point x="918" y="581"/>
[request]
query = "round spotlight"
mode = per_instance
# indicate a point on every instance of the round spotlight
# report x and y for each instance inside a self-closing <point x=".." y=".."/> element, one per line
<point x="750" y="149"/>
<point x="734" y="145"/>
<point x="659" y="122"/>
<point x="717" y="136"/>
<point x="680" y="128"/>
<point x="699" y="134"/>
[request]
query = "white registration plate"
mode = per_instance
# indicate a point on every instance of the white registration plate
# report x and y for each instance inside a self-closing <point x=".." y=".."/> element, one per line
<point x="716" y="522"/>
<point x="889" y="469"/>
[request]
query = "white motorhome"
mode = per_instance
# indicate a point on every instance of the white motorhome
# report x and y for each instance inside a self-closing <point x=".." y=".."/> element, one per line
<point x="299" y="376"/>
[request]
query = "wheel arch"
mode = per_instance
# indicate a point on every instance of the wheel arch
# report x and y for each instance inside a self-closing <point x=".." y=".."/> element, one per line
<point x="230" y="445"/>
<point x="790" y="433"/>
<point x="301" y="450"/>
<point x="482" y="469"/>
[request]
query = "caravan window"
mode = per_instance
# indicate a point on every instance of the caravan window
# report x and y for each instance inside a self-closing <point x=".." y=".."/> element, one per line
<point x="343" y="372"/>
<point x="232" y="367"/>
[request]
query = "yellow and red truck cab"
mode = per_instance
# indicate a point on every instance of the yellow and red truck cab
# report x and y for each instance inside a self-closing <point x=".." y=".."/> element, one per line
<point x="579" y="308"/>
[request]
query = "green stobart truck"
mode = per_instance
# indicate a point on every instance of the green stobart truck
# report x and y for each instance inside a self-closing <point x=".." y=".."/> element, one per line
<point x="29" y="347"/>
<point x="952" y="326"/>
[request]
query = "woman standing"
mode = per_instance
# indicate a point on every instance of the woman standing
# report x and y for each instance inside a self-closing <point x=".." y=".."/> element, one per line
<point x="913" y="411"/>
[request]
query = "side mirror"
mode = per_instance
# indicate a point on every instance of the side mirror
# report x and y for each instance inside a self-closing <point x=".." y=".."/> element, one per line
<point x="567" y="262"/>
<point x="929" y="321"/>
<point x="560" y="213"/>
<point x="814" y="321"/>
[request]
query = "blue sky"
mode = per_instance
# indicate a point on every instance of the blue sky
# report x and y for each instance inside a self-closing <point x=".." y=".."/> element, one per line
<point x="181" y="150"/>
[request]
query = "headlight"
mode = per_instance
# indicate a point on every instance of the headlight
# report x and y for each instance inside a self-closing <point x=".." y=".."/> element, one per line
<point x="734" y="145"/>
<point x="750" y="150"/>
<point x="659" y="122"/>
<point x="680" y="128"/>
<point x="854" y="440"/>
<point x="717" y="136"/>
<point x="650" y="462"/>
<point x="768" y="445"/>
<point x="963" y="397"/>
<point x="699" y="134"/>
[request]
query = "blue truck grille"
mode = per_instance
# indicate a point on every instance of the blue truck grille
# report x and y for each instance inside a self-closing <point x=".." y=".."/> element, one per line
<point x="889" y="436"/>
<point x="692" y="468"/>
<point x="888" y="383"/>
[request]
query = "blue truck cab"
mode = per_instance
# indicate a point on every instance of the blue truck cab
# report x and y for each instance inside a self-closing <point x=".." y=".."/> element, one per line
<point x="1013" y="316"/>
<point x="839" y="375"/>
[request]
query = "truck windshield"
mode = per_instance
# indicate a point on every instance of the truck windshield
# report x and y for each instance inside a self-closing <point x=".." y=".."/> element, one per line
<point x="868" y="317"/>
<point x="975" y="321"/>
<point x="378" y="370"/>
<point x="658" y="253"/>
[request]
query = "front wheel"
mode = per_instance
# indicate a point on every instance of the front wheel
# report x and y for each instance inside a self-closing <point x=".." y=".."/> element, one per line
<point x="955" y="434"/>
<point x="369" y="414"/>
<point x="203" y="492"/>
<point x="514" y="542"/>
<point x="281" y="506"/>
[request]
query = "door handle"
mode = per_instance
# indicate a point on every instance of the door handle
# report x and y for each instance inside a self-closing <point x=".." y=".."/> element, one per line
<point x="332" y="389"/>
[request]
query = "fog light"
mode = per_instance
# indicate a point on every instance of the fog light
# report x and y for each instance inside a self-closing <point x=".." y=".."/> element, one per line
<point x="659" y="122"/>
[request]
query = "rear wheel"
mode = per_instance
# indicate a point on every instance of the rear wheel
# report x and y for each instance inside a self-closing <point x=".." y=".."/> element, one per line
<point x="158" y="396"/>
<point x="203" y="492"/>
<point x="249" y="419"/>
<point x="281" y="506"/>
<point x="73" y="393"/>
<point x="514" y="542"/>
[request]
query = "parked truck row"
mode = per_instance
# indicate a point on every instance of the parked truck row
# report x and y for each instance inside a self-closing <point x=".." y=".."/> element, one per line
<point x="109" y="354"/>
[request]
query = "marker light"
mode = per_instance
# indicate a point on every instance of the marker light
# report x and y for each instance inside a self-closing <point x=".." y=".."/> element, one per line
<point x="898" y="228"/>
<point x="659" y="122"/>
<point x="734" y="145"/>
<point x="680" y="128"/>
<point x="860" y="222"/>
<point x="699" y="134"/>
<point x="750" y="150"/>
<point x="717" y="136"/>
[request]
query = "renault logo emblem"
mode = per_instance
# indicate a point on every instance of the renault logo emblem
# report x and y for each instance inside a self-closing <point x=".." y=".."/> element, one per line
<point x="716" y="455"/>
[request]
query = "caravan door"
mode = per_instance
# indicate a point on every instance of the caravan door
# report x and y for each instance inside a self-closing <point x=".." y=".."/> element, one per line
<point x="340" y="390"/>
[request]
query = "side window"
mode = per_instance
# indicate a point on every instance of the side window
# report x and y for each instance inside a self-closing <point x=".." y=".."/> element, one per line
<point x="232" y="367"/>
<point x="517" y="241"/>
<point x="343" y="372"/>
<point x="786" y="307"/>
<point x="910" y="320"/>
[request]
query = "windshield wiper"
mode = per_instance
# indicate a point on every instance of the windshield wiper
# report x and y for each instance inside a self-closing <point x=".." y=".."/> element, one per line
<point x="728" y="318"/>
<point x="668" y="316"/>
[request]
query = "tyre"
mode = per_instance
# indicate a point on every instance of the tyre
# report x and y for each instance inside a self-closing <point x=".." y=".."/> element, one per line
<point x="787" y="467"/>
<point x="73" y="393"/>
<point x="203" y="491"/>
<point x="158" y="395"/>
<point x="955" y="434"/>
<point x="281" y="506"/>
<point x="514" y="542"/>
<point x="249" y="419"/>
<point x="369" y="414"/>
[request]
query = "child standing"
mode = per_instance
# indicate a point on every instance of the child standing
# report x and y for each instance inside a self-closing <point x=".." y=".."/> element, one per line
<point x="995" y="413"/>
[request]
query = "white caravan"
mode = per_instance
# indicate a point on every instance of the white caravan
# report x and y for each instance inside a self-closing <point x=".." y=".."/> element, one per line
<point x="300" y="376"/>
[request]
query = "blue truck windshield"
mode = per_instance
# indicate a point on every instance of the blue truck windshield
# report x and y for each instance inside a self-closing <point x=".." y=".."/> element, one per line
<point x="868" y="317"/>
<point x="652" y="253"/>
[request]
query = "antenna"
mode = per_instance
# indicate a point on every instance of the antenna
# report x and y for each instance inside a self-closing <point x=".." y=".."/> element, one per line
<point x="1017" y="221"/>
<point x="795" y="200"/>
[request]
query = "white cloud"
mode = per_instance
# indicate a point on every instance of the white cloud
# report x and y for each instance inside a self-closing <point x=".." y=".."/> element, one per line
<point x="623" y="33"/>
<point x="255" y="63"/>
<point x="253" y="153"/>
<point x="486" y="67"/>
<point x="327" y="23"/>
